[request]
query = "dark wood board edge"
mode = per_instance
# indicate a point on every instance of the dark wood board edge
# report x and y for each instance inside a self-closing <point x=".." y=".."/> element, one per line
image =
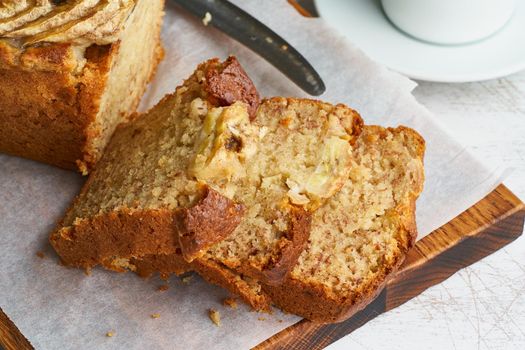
<point x="10" y="336"/>
<point x="492" y="223"/>
<point x="306" y="8"/>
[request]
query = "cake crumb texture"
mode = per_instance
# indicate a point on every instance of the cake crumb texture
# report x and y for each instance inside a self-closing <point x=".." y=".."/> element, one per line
<point x="163" y="288"/>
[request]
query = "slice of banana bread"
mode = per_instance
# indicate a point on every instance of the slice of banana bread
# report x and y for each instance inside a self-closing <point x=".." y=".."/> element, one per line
<point x="141" y="192"/>
<point x="358" y="238"/>
<point x="70" y="71"/>
<point x="362" y="235"/>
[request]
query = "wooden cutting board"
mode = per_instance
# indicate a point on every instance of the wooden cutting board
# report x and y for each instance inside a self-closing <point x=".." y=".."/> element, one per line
<point x="490" y="224"/>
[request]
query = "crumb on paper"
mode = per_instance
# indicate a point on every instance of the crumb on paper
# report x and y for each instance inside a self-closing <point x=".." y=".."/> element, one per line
<point x="284" y="47"/>
<point x="231" y="302"/>
<point x="206" y="19"/>
<point x="157" y="315"/>
<point x="110" y="334"/>
<point x="269" y="40"/>
<point x="40" y="254"/>
<point x="186" y="279"/>
<point x="280" y="321"/>
<point x="87" y="271"/>
<point x="262" y="318"/>
<point x="163" y="288"/>
<point x="215" y="317"/>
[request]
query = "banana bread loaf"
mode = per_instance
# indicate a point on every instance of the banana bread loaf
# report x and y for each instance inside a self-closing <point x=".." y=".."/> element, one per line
<point x="70" y="71"/>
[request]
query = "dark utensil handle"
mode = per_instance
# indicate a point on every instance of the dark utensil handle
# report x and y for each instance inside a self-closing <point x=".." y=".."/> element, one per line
<point x="244" y="28"/>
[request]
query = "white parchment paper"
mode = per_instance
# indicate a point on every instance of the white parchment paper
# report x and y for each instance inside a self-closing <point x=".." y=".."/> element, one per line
<point x="59" y="308"/>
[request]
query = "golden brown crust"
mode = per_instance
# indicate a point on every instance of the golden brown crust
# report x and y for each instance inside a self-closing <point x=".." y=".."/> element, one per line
<point x="227" y="83"/>
<point x="209" y="221"/>
<point x="165" y="264"/>
<point x="122" y="234"/>
<point x="50" y="100"/>
<point x="314" y="303"/>
<point x="222" y="276"/>
<point x="290" y="247"/>
<point x="45" y="107"/>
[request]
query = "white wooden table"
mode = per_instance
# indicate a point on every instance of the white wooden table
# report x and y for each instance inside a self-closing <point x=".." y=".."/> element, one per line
<point x="481" y="306"/>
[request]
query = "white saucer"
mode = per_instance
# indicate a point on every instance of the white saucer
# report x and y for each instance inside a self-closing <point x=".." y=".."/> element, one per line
<point x="364" y="23"/>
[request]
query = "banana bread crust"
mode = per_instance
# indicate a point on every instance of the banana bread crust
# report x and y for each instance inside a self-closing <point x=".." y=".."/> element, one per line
<point x="315" y="304"/>
<point x="275" y="272"/>
<point x="46" y="109"/>
<point x="228" y="83"/>
<point x="52" y="94"/>
<point x="209" y="221"/>
<point x="127" y="233"/>
<point x="164" y="264"/>
<point x="117" y="234"/>
<point x="233" y="282"/>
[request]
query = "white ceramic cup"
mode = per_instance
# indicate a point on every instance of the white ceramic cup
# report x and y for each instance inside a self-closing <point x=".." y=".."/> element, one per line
<point x="449" y="22"/>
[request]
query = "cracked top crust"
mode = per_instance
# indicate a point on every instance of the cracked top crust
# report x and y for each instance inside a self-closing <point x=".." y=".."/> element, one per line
<point x="80" y="22"/>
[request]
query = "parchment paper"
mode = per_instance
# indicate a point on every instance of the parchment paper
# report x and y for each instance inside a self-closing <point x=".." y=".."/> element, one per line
<point x="59" y="308"/>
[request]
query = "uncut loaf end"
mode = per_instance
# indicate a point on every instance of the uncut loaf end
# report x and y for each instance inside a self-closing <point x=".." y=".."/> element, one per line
<point x="70" y="71"/>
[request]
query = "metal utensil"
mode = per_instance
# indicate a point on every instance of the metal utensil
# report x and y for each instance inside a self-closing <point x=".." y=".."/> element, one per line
<point x="244" y="28"/>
